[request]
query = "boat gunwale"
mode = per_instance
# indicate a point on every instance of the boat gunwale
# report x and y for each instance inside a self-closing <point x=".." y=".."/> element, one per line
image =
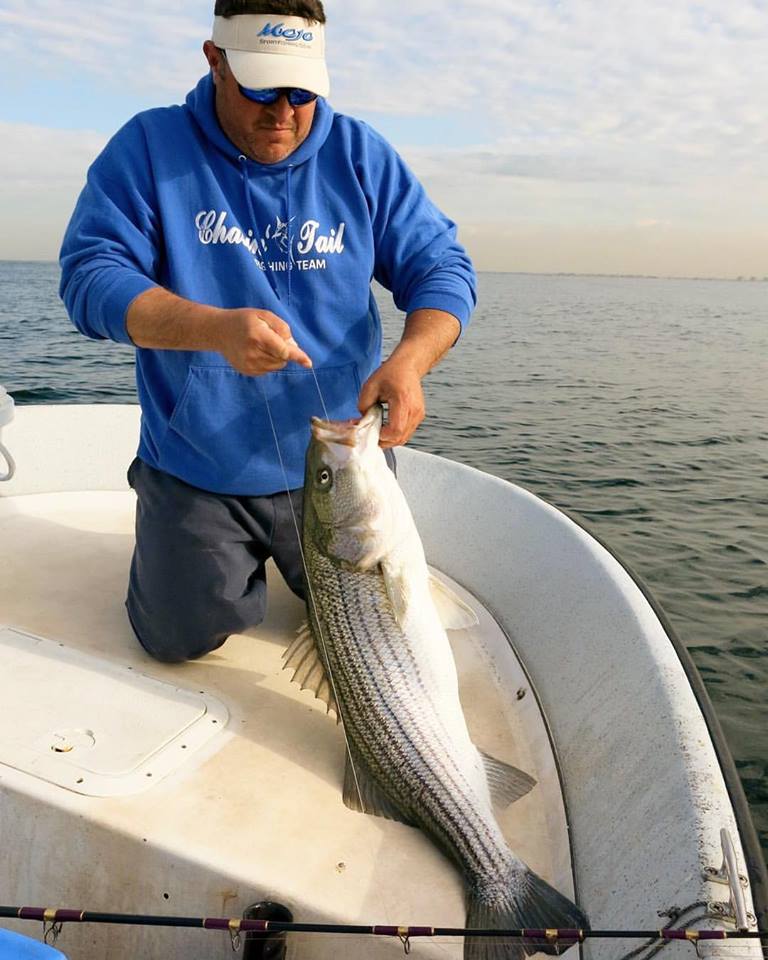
<point x="755" y="861"/>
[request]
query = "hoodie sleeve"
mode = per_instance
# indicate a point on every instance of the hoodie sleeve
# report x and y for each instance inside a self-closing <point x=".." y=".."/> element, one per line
<point x="418" y="256"/>
<point x="110" y="253"/>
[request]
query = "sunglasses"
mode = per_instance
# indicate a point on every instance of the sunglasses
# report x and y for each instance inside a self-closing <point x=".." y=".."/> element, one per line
<point x="295" y="95"/>
<point x="269" y="95"/>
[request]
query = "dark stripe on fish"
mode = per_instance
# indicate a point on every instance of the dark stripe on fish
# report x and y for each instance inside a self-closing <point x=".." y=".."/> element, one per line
<point x="452" y="799"/>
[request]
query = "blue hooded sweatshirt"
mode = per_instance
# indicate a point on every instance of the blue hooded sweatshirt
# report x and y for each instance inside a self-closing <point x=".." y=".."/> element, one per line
<point x="172" y="202"/>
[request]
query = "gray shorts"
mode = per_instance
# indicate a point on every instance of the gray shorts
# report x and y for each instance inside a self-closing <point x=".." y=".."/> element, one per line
<point x="198" y="568"/>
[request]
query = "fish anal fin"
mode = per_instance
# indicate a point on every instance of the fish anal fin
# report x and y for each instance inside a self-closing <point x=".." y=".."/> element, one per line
<point x="303" y="642"/>
<point x="362" y="793"/>
<point x="453" y="612"/>
<point x="505" y="782"/>
<point x="303" y="657"/>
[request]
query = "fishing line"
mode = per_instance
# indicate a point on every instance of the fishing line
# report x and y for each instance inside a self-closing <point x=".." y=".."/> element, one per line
<point x="320" y="393"/>
<point x="309" y="587"/>
<point x="310" y="591"/>
<point x="317" y="384"/>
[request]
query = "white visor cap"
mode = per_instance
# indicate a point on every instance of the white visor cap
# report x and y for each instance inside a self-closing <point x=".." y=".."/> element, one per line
<point x="273" y="51"/>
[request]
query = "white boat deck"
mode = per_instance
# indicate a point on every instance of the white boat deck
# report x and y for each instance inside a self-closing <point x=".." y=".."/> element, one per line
<point x="253" y="811"/>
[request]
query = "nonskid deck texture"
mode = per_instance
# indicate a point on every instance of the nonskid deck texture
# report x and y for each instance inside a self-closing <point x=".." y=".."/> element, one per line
<point x="204" y="820"/>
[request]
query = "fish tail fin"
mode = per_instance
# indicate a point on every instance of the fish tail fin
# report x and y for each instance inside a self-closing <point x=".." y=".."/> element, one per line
<point x="527" y="902"/>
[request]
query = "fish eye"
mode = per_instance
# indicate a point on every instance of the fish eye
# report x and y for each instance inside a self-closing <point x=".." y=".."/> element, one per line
<point x="324" y="478"/>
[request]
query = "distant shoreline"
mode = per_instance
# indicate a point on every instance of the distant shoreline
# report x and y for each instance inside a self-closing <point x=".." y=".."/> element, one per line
<point x="552" y="273"/>
<point x="625" y="276"/>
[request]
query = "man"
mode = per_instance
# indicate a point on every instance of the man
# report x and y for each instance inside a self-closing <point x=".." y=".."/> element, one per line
<point x="233" y="241"/>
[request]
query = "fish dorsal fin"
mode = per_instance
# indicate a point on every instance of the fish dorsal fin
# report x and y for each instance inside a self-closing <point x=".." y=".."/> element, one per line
<point x="505" y="782"/>
<point x="362" y="793"/>
<point x="453" y="612"/>
<point x="303" y="657"/>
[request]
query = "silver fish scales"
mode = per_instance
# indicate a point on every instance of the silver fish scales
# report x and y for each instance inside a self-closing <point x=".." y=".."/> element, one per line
<point x="376" y="652"/>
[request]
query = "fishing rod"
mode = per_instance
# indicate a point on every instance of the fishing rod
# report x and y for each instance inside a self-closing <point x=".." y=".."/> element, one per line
<point x="237" y="925"/>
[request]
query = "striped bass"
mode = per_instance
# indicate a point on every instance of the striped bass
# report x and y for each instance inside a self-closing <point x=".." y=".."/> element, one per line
<point x="376" y="652"/>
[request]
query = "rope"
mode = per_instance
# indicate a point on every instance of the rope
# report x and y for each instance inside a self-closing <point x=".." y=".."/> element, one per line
<point x="11" y="464"/>
<point x="674" y="914"/>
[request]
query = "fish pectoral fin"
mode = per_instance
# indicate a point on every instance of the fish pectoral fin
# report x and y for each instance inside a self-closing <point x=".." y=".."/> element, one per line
<point x="362" y="793"/>
<point x="303" y="657"/>
<point x="396" y="585"/>
<point x="505" y="782"/>
<point x="453" y="612"/>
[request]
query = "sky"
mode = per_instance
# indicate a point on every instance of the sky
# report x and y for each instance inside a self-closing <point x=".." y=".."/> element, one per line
<point x="577" y="136"/>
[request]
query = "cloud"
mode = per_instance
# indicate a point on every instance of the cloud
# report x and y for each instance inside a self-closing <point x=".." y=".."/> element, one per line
<point x="581" y="191"/>
<point x="500" y="161"/>
<point x="586" y="111"/>
<point x="629" y="250"/>
<point x="36" y="160"/>
<point x="588" y="77"/>
<point x="129" y="44"/>
<point x="41" y="174"/>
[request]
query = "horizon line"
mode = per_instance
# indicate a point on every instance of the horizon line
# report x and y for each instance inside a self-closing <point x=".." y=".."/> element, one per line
<point x="742" y="278"/>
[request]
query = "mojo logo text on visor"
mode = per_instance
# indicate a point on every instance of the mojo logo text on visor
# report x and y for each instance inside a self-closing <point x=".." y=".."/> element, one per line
<point x="289" y="33"/>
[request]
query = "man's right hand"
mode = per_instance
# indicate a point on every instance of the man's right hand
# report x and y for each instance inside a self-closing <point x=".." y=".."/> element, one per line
<point x="253" y="341"/>
<point x="257" y="341"/>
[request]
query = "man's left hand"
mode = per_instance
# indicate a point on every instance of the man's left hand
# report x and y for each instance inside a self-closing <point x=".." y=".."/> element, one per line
<point x="427" y="337"/>
<point x="398" y="384"/>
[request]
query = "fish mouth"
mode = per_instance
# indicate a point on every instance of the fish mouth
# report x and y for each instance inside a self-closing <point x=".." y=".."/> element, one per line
<point x="348" y="433"/>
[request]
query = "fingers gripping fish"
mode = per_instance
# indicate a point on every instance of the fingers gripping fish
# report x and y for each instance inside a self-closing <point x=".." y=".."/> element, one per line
<point x="377" y="653"/>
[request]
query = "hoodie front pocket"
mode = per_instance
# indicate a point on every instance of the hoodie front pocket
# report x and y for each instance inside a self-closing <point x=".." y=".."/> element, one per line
<point x="220" y="436"/>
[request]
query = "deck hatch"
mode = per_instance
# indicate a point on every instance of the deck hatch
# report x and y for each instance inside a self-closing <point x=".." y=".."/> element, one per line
<point x="91" y="726"/>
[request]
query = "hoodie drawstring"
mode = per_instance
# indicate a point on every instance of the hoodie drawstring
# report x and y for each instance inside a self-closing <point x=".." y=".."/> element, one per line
<point x="256" y="238"/>
<point x="288" y="227"/>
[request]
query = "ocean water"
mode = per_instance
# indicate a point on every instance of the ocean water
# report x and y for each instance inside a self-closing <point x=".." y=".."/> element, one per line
<point x="638" y="404"/>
